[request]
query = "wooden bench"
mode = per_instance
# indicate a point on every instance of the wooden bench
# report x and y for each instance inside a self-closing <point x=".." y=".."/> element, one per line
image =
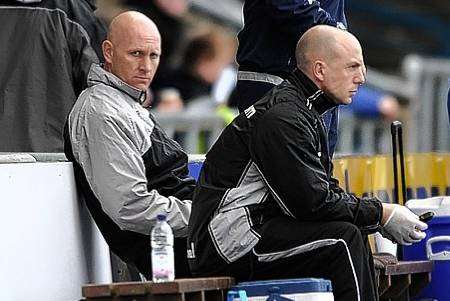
<point x="403" y="279"/>
<point x="396" y="281"/>
<point x="194" y="289"/>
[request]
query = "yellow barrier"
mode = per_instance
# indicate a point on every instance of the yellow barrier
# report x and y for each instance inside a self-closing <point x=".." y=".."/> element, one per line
<point x="427" y="175"/>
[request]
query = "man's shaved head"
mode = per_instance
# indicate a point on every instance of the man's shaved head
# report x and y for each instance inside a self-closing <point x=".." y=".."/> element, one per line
<point x="320" y="42"/>
<point x="125" y="22"/>
<point x="332" y="58"/>
<point x="133" y="49"/>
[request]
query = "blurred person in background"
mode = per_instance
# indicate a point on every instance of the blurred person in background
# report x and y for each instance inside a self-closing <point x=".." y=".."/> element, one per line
<point x="204" y="59"/>
<point x="266" y="47"/>
<point x="170" y="101"/>
<point x="46" y="51"/>
<point x="372" y="103"/>
<point x="369" y="104"/>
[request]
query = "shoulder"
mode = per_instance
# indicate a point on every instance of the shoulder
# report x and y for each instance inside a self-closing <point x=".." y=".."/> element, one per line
<point x="105" y="100"/>
<point x="288" y="116"/>
<point x="285" y="104"/>
<point x="102" y="106"/>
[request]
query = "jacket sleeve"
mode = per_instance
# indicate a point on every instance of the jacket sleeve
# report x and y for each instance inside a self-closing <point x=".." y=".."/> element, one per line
<point x="83" y="13"/>
<point x="110" y="154"/>
<point x="286" y="150"/>
<point x="297" y="16"/>
<point x="81" y="52"/>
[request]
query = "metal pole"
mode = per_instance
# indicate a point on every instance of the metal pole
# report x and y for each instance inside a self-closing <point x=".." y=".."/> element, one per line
<point x="402" y="163"/>
<point x="394" y="131"/>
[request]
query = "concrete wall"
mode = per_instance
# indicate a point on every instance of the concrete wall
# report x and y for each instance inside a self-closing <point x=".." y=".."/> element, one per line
<point x="49" y="245"/>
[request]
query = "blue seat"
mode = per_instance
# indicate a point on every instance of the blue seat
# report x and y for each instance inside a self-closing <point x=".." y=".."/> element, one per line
<point x="195" y="165"/>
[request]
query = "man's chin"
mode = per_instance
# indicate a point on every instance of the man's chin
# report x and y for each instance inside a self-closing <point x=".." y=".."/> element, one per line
<point x="340" y="101"/>
<point x="345" y="101"/>
<point x="140" y="86"/>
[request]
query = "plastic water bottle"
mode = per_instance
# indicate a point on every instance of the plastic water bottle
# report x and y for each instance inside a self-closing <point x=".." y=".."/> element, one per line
<point x="163" y="266"/>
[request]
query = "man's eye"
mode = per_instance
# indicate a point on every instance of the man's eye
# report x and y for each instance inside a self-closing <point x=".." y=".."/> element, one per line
<point x="154" y="56"/>
<point x="136" y="53"/>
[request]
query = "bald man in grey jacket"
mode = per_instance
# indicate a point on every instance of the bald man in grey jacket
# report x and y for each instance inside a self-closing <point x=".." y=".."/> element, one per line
<point x="126" y="167"/>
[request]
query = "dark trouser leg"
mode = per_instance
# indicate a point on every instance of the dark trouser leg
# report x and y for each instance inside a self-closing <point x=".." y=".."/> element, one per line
<point x="181" y="262"/>
<point x="332" y="250"/>
<point x="247" y="93"/>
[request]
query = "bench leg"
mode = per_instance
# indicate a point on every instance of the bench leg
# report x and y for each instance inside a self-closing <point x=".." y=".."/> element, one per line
<point x="419" y="281"/>
<point x="398" y="289"/>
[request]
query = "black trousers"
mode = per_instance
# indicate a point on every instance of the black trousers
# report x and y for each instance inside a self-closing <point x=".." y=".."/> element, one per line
<point x="332" y="250"/>
<point x="247" y="93"/>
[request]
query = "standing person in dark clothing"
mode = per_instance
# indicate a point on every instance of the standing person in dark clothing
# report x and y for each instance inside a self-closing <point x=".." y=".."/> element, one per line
<point x="266" y="47"/>
<point x="126" y="167"/>
<point x="46" y="51"/>
<point x="266" y="205"/>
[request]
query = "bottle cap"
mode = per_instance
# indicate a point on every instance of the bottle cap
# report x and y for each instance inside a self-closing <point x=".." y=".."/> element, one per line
<point x="161" y="217"/>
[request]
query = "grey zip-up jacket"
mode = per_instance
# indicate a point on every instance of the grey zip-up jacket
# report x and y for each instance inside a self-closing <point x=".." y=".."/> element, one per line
<point x="126" y="167"/>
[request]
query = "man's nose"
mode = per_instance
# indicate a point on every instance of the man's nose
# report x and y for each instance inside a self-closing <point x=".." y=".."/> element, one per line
<point x="361" y="78"/>
<point x="146" y="65"/>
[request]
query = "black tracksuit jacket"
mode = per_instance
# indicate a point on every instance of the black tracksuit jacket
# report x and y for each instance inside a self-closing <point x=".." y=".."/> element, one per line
<point x="272" y="160"/>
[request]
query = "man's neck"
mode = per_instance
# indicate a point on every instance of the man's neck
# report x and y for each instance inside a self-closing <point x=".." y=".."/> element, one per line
<point x="107" y="67"/>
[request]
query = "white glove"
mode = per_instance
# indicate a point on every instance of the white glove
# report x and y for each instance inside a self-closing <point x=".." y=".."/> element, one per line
<point x="403" y="226"/>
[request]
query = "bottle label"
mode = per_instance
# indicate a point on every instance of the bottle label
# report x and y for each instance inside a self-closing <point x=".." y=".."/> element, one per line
<point x="163" y="267"/>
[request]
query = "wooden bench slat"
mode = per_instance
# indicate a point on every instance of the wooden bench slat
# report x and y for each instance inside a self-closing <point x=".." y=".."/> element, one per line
<point x="130" y="289"/>
<point x="191" y="285"/>
<point x="179" y="286"/>
<point x="97" y="291"/>
<point x="404" y="278"/>
<point x="408" y="267"/>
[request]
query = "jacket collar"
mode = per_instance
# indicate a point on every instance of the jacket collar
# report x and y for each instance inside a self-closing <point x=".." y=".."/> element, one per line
<point x="315" y="98"/>
<point x="99" y="75"/>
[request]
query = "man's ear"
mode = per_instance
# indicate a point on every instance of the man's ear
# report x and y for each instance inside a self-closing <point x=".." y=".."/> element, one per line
<point x="108" y="51"/>
<point x="319" y="69"/>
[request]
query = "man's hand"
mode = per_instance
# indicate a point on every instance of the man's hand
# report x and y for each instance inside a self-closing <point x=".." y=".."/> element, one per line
<point x="389" y="107"/>
<point x="402" y="226"/>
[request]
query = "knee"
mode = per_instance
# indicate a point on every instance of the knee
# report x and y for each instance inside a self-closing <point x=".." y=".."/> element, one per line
<point x="349" y="233"/>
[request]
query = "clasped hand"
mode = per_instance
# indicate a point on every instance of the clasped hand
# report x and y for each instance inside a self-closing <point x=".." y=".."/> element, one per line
<point x="401" y="225"/>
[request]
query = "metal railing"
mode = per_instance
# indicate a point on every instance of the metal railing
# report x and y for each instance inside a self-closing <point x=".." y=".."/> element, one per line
<point x="424" y="82"/>
<point x="362" y="136"/>
<point x="428" y="80"/>
<point x="195" y="132"/>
